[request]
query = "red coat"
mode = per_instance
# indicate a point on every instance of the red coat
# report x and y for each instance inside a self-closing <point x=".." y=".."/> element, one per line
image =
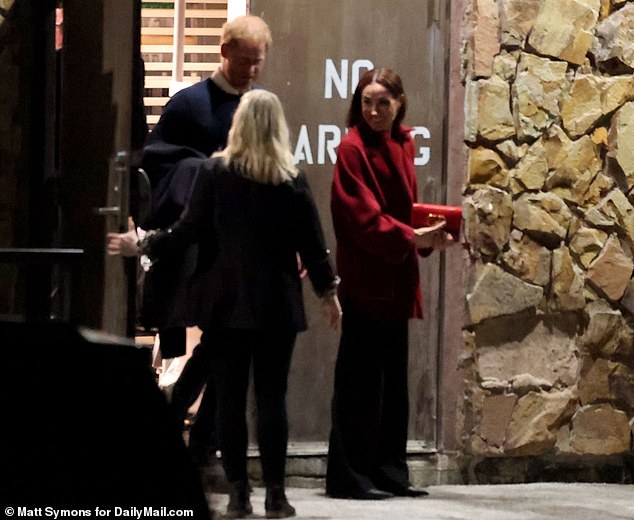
<point x="373" y="188"/>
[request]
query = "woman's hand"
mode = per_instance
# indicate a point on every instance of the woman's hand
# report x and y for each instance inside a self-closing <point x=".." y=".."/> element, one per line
<point x="124" y="244"/>
<point x="332" y="310"/>
<point x="433" y="237"/>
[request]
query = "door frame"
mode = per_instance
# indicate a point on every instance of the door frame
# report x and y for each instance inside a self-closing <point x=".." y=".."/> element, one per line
<point x="95" y="125"/>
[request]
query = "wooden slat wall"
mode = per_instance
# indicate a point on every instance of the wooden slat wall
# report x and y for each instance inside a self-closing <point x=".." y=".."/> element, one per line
<point x="203" y="25"/>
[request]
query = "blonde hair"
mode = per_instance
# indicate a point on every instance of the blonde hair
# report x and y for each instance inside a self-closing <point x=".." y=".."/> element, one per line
<point x="247" y="27"/>
<point x="258" y="143"/>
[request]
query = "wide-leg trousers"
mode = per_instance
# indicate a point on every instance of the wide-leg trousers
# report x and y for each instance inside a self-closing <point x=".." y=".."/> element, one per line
<point x="370" y="407"/>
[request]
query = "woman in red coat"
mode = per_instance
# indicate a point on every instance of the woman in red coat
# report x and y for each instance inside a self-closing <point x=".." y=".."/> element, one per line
<point x="373" y="189"/>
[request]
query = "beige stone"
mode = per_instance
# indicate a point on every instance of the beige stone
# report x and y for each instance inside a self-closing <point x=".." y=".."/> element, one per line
<point x="581" y="108"/>
<point x="627" y="301"/>
<point x="567" y="283"/>
<point x="594" y="384"/>
<point x="487" y="220"/>
<point x="622" y="386"/>
<point x="604" y="11"/>
<point x="557" y="146"/>
<point x="592" y="97"/>
<point x="547" y="351"/>
<point x="532" y="429"/>
<point x="487" y="167"/>
<point x="603" y="214"/>
<point x="581" y="155"/>
<point x="607" y="333"/>
<point x="486" y="44"/>
<point x="496" y="415"/>
<point x="569" y="183"/>
<point x="487" y="110"/>
<point x="600" y="186"/>
<point x="467" y="356"/>
<point x="616" y="90"/>
<point x="498" y="293"/>
<point x="544" y="216"/>
<point x="531" y="171"/>
<point x="600" y="136"/>
<point x="611" y="271"/>
<point x="536" y="94"/>
<point x="511" y="151"/>
<point x="587" y="243"/>
<point x="505" y="65"/>
<point x="573" y="166"/>
<point x="527" y="259"/>
<point x="620" y="138"/>
<point x="517" y="18"/>
<point x="563" y="440"/>
<point x="613" y="38"/>
<point x="614" y="209"/>
<point x="477" y="446"/>
<point x="563" y="29"/>
<point x="600" y="430"/>
<point x="624" y="348"/>
<point x="576" y="223"/>
<point x="516" y="187"/>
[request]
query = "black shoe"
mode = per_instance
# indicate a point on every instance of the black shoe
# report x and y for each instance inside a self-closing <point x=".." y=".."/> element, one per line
<point x="409" y="491"/>
<point x="366" y="494"/>
<point x="276" y="504"/>
<point x="239" y="504"/>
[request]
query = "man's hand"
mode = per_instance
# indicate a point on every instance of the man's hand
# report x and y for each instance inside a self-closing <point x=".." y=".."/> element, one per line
<point x="124" y="244"/>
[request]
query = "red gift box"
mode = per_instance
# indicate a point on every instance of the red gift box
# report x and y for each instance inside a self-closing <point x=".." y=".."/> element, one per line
<point x="424" y="215"/>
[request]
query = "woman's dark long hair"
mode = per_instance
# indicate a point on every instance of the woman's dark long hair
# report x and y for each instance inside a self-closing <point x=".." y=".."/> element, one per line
<point x="392" y="82"/>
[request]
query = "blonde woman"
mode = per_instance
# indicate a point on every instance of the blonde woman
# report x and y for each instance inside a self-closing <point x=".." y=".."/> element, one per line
<point x="252" y="211"/>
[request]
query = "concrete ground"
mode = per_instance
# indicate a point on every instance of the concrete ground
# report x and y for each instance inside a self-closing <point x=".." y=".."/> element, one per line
<point x="543" y="501"/>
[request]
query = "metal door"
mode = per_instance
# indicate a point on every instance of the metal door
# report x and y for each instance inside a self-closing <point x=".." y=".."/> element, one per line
<point x="95" y="124"/>
<point x="319" y="50"/>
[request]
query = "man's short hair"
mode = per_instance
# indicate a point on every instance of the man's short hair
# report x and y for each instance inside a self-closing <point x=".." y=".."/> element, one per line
<point x="247" y="27"/>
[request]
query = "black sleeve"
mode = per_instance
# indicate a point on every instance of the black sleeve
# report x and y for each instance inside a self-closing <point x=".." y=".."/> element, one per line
<point x="174" y="122"/>
<point x="192" y="224"/>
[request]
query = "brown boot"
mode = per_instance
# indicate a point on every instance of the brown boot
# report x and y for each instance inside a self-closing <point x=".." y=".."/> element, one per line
<point x="276" y="504"/>
<point x="239" y="503"/>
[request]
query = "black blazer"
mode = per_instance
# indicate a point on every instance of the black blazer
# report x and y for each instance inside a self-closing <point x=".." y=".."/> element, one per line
<point x="249" y="233"/>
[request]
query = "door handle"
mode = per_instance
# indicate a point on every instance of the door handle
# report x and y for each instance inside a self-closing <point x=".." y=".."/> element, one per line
<point x="108" y="210"/>
<point x="118" y="178"/>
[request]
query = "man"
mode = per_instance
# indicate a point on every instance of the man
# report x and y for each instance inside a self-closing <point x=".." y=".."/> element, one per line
<point x="199" y="116"/>
<point x="194" y="124"/>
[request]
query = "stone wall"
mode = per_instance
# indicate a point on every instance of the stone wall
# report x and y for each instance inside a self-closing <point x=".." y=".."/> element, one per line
<point x="549" y="227"/>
